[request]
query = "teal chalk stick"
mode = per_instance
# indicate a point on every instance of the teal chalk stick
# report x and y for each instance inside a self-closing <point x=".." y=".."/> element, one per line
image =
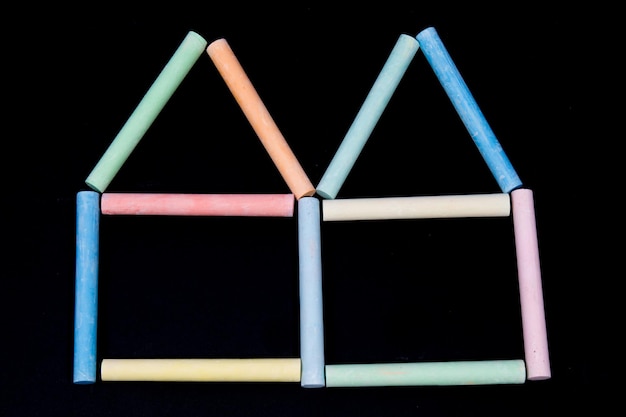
<point x="162" y="89"/>
<point x="311" y="303"/>
<point x="427" y="373"/>
<point x="86" y="287"/>
<point x="366" y="119"/>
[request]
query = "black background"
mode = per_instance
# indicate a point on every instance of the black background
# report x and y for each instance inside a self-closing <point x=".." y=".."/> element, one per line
<point x="545" y="79"/>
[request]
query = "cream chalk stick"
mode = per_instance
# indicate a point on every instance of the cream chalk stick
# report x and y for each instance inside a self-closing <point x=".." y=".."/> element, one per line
<point x="201" y="370"/>
<point x="429" y="207"/>
<point x="259" y="117"/>
<point x="264" y="205"/>
<point x="530" y="288"/>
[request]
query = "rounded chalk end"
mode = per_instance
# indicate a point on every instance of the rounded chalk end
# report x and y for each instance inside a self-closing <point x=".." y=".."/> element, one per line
<point x="196" y="38"/>
<point x="306" y="193"/>
<point x="325" y="195"/>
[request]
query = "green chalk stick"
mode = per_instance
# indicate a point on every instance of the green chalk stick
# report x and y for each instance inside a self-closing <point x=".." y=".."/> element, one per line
<point x="146" y="111"/>
<point x="426" y="373"/>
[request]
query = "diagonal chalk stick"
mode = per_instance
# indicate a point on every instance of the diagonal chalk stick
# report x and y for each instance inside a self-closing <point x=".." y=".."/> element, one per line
<point x="146" y="111"/>
<point x="259" y="117"/>
<point x="468" y="110"/>
<point x="366" y="119"/>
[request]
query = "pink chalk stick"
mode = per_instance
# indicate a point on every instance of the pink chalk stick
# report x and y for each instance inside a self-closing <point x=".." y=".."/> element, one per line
<point x="261" y="205"/>
<point x="530" y="288"/>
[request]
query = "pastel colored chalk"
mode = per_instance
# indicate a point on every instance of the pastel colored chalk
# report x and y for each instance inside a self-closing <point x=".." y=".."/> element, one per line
<point x="146" y="111"/>
<point x="427" y="207"/>
<point x="202" y="370"/>
<point x="475" y="122"/>
<point x="368" y="116"/>
<point x="86" y="286"/>
<point x="261" y="205"/>
<point x="530" y="287"/>
<point x="311" y="299"/>
<point x="259" y="118"/>
<point x="426" y="373"/>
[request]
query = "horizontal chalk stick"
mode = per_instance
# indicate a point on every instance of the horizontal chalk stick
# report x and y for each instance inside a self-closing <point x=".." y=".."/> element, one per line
<point x="267" y="205"/>
<point x="427" y="373"/>
<point x="146" y="112"/>
<point x="202" y="370"/>
<point x="429" y="207"/>
<point x="530" y="287"/>
<point x="259" y="118"/>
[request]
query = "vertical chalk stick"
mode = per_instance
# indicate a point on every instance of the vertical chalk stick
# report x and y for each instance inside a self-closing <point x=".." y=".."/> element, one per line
<point x="368" y="116"/>
<point x="468" y="110"/>
<point x="259" y="118"/>
<point x="426" y="373"/>
<point x="530" y="287"/>
<point x="311" y="305"/>
<point x="86" y="286"/>
<point x="146" y="111"/>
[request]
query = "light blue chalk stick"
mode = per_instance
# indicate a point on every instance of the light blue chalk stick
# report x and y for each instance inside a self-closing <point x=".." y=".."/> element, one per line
<point x="162" y="89"/>
<point x="311" y="305"/>
<point x="427" y="373"/>
<point x="86" y="287"/>
<point x="368" y="116"/>
<point x="469" y="112"/>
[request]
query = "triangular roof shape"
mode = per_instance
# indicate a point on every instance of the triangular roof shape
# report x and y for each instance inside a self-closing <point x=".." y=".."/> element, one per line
<point x="401" y="56"/>
<point x="162" y="89"/>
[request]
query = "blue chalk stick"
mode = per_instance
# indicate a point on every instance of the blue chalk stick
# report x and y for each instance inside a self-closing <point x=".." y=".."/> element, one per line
<point x="469" y="112"/>
<point x="311" y="305"/>
<point x="86" y="297"/>
<point x="375" y="103"/>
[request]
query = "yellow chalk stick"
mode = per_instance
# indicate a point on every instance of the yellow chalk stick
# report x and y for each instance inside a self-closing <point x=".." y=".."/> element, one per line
<point x="202" y="370"/>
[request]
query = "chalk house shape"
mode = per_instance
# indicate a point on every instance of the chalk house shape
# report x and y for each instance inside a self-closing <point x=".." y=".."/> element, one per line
<point x="93" y="203"/>
<point x="513" y="200"/>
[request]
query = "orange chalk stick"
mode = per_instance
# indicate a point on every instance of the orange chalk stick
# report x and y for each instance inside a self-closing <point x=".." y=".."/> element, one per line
<point x="262" y="122"/>
<point x="260" y="205"/>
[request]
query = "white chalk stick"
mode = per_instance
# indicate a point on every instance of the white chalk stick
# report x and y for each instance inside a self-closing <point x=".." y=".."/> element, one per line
<point x="428" y="207"/>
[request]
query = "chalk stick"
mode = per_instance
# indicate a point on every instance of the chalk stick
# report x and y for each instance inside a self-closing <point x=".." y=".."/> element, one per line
<point x="86" y="286"/>
<point x="248" y="205"/>
<point x="530" y="287"/>
<point x="427" y="207"/>
<point x="202" y="370"/>
<point x="146" y="111"/>
<point x="311" y="304"/>
<point x="259" y="118"/>
<point x="426" y="373"/>
<point x="368" y="116"/>
<point x="475" y="122"/>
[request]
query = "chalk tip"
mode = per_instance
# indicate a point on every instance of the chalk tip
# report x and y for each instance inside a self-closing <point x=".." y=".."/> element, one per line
<point x="539" y="377"/>
<point x="195" y="36"/>
<point x="93" y="186"/>
<point x="216" y="43"/>
<point x="306" y="193"/>
<point x="325" y="195"/>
